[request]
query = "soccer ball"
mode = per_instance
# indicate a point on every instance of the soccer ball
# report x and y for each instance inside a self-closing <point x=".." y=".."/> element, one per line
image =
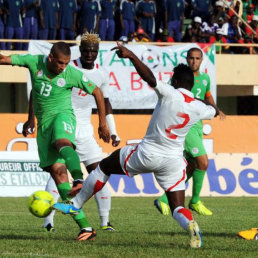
<point x="150" y="57"/>
<point x="40" y="203"/>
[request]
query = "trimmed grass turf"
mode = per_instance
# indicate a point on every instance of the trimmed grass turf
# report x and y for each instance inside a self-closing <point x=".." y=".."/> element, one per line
<point x="142" y="231"/>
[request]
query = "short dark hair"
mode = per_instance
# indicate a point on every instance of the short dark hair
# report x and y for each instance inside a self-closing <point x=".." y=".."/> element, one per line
<point x="184" y="76"/>
<point x="60" y="47"/>
<point x="194" y="49"/>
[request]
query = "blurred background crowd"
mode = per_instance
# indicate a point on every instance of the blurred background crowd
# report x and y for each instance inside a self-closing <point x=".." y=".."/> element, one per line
<point x="203" y="21"/>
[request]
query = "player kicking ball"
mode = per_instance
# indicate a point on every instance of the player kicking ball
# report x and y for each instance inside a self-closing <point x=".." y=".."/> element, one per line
<point x="161" y="150"/>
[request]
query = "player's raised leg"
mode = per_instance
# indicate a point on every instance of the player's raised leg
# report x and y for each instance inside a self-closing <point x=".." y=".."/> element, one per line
<point x="93" y="183"/>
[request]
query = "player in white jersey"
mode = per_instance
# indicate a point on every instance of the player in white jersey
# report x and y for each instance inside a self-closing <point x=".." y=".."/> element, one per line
<point x="161" y="150"/>
<point x="86" y="145"/>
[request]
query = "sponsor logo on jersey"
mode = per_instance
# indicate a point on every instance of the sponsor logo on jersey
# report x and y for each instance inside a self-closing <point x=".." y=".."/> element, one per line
<point x="61" y="82"/>
<point x="84" y="78"/>
<point x="205" y="83"/>
<point x="195" y="150"/>
<point x="39" y="73"/>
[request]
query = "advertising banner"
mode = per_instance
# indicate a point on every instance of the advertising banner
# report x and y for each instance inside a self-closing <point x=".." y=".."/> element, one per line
<point x="229" y="174"/>
<point x="127" y="90"/>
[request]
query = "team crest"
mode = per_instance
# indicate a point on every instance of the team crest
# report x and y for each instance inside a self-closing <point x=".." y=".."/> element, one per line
<point x="195" y="150"/>
<point x="61" y="82"/>
<point x="84" y="78"/>
<point x="39" y="73"/>
<point x="205" y="83"/>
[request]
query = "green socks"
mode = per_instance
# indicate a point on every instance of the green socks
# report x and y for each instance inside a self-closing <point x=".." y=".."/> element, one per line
<point x="80" y="218"/>
<point x="198" y="176"/>
<point x="72" y="161"/>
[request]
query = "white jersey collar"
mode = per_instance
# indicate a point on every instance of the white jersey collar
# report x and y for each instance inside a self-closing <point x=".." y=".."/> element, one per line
<point x="77" y="63"/>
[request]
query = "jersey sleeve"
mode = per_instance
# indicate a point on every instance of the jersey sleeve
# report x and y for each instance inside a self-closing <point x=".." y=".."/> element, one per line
<point x="80" y="80"/>
<point x="23" y="60"/>
<point x="205" y="111"/>
<point x="164" y="90"/>
<point x="208" y="88"/>
<point x="105" y="85"/>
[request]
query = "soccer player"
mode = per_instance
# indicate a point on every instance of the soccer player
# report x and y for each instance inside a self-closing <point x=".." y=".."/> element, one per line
<point x="86" y="146"/>
<point x="161" y="150"/>
<point x="195" y="151"/>
<point x="52" y="83"/>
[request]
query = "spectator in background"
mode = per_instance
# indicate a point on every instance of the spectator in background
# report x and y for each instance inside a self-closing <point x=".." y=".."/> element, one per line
<point x="2" y="44"/>
<point x="146" y="10"/>
<point x="174" y="18"/>
<point x="14" y="26"/>
<point x="248" y="15"/>
<point x="209" y="28"/>
<point x="127" y="17"/>
<point x="218" y="38"/>
<point x="219" y="12"/>
<point x="201" y="8"/>
<point x="107" y="23"/>
<point x="89" y="16"/>
<point x="67" y="21"/>
<point x="194" y="31"/>
<point x="141" y="36"/>
<point x="48" y="19"/>
<point x="237" y="7"/>
<point x="254" y="25"/>
<point x="232" y="31"/>
<point x="30" y="22"/>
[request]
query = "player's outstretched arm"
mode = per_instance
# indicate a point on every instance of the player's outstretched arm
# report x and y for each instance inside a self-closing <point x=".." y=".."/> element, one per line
<point x="140" y="67"/>
<point x="5" y="60"/>
<point x="29" y="125"/>
<point x="103" y="128"/>
<point x="210" y="100"/>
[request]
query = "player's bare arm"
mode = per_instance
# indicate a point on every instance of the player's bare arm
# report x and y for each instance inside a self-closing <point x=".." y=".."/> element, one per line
<point x="145" y="73"/>
<point x="5" y="60"/>
<point x="103" y="128"/>
<point x="29" y="125"/>
<point x="210" y="104"/>
<point x="210" y="100"/>
<point x="111" y="123"/>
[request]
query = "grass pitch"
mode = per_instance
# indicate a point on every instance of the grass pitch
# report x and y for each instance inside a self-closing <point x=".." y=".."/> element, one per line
<point x="141" y="231"/>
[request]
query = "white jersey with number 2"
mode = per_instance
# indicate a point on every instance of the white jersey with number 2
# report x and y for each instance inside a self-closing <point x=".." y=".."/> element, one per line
<point x="175" y="113"/>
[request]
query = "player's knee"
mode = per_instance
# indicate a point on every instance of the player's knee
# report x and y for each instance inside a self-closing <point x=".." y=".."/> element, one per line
<point x="63" y="143"/>
<point x="59" y="173"/>
<point x="203" y="165"/>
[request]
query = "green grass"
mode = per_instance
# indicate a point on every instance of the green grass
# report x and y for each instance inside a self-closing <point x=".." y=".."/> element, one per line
<point x="142" y="231"/>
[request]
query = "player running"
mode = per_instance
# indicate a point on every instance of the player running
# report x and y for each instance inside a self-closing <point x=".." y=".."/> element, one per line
<point x="86" y="146"/>
<point x="52" y="82"/>
<point x="195" y="151"/>
<point x="161" y="150"/>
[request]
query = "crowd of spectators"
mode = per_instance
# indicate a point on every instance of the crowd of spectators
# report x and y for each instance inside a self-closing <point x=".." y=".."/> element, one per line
<point x="131" y="20"/>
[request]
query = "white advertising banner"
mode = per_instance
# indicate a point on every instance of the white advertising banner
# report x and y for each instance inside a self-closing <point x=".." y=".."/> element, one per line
<point x="227" y="175"/>
<point x="127" y="89"/>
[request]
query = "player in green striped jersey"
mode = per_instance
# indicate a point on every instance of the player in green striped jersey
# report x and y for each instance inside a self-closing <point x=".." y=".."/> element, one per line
<point x="195" y="152"/>
<point x="52" y="82"/>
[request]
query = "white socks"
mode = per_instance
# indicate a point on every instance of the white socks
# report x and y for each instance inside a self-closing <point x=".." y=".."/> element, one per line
<point x="183" y="216"/>
<point x="103" y="199"/>
<point x="93" y="183"/>
<point x="51" y="188"/>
